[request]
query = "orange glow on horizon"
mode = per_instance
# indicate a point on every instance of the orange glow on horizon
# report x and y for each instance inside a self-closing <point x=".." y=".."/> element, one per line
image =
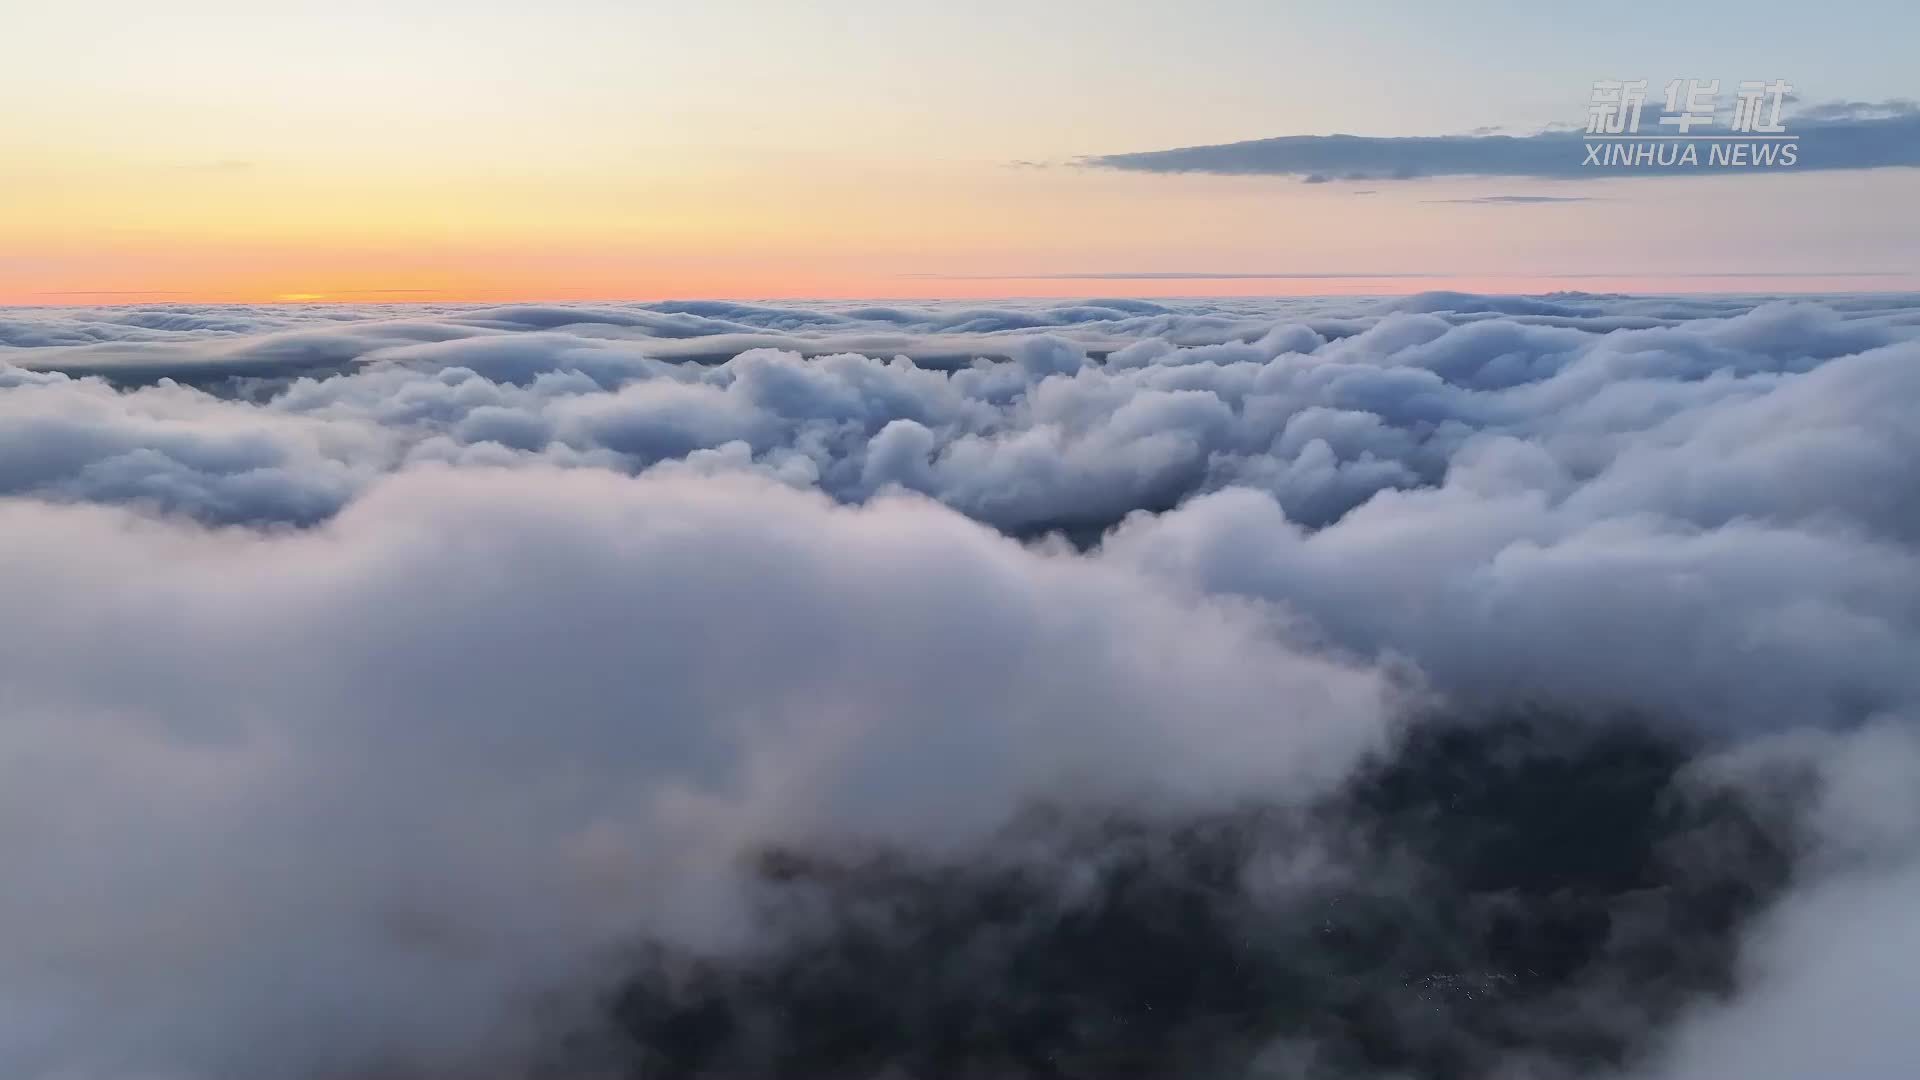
<point x="93" y="228"/>
<point x="827" y="287"/>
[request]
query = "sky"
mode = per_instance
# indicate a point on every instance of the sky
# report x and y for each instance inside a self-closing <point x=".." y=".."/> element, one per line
<point x="750" y="148"/>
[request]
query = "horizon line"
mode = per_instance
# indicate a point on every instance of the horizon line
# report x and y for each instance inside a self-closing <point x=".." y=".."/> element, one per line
<point x="347" y="301"/>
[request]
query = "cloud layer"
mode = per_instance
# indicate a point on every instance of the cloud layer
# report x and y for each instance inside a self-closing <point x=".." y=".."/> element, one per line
<point x="1844" y="136"/>
<point x="390" y="689"/>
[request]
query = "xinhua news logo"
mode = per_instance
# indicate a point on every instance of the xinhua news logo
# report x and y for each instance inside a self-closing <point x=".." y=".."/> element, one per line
<point x="1749" y="136"/>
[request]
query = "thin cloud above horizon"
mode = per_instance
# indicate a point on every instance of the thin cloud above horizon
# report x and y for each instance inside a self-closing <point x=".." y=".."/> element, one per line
<point x="1284" y="275"/>
<point x="1832" y="136"/>
<point x="1516" y="200"/>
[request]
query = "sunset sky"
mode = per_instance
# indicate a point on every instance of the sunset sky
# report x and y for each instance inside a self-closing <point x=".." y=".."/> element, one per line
<point x="917" y="539"/>
<point x="754" y="148"/>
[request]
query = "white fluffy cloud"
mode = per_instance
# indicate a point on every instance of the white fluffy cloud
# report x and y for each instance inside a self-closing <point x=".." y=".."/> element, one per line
<point x="1101" y="411"/>
<point x="370" y="674"/>
<point x="346" y="795"/>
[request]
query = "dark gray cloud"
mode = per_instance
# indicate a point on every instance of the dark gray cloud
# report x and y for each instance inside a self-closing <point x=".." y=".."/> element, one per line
<point x="1517" y="200"/>
<point x="1850" y="136"/>
<point x="1267" y="940"/>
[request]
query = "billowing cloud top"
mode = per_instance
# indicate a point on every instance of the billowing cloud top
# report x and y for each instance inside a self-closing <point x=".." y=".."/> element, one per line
<point x="386" y="687"/>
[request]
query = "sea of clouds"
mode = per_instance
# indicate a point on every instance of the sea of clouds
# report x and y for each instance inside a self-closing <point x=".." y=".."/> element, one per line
<point x="387" y="689"/>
